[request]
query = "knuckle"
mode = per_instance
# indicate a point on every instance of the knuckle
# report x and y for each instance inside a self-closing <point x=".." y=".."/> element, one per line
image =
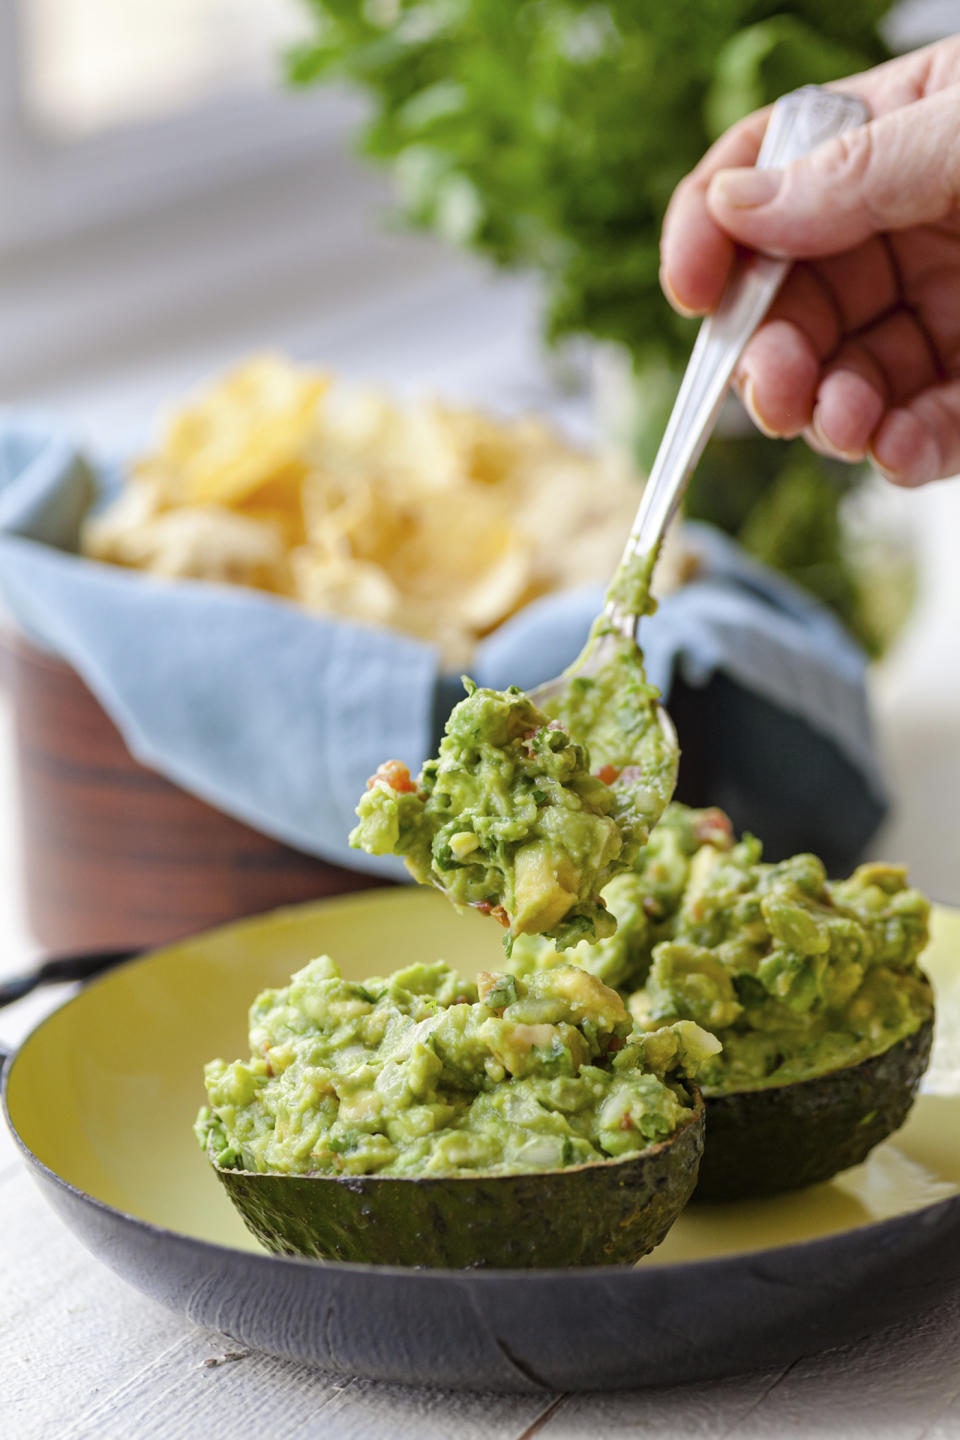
<point x="943" y="67"/>
<point x="850" y="157"/>
<point x="854" y="166"/>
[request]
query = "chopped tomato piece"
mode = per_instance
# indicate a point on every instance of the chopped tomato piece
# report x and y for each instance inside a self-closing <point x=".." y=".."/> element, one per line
<point x="497" y="911"/>
<point x="713" y="827"/>
<point x="396" y="775"/>
<point x="607" y="773"/>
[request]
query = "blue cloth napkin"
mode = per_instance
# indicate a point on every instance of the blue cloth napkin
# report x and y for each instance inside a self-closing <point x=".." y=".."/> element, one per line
<point x="278" y="717"/>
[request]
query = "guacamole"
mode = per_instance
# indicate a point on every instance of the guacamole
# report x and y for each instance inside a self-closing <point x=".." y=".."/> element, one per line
<point x="643" y="901"/>
<point x="426" y="1074"/>
<point x="508" y="818"/>
<point x="796" y="975"/>
<point x="527" y="813"/>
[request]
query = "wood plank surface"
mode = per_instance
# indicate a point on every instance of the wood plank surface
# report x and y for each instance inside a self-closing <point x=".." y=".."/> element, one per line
<point x="901" y="1384"/>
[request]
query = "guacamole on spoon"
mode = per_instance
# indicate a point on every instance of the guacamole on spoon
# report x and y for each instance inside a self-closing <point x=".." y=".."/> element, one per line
<point x="529" y="810"/>
<point x="642" y="900"/>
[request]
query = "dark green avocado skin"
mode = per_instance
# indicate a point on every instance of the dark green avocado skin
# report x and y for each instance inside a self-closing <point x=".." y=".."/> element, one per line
<point x="761" y="1142"/>
<point x="608" y="1213"/>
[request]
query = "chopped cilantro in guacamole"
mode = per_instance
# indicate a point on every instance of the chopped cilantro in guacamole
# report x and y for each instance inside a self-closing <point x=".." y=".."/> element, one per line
<point x="424" y="1073"/>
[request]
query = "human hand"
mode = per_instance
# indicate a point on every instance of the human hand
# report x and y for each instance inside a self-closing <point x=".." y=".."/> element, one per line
<point x="860" y="352"/>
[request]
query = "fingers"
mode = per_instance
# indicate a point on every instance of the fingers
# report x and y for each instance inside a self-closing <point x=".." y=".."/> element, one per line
<point x="777" y="379"/>
<point x="880" y="396"/>
<point x="794" y="380"/>
<point x="781" y="371"/>
<point x="862" y="284"/>
<point x="900" y="171"/>
<point x="879" y="391"/>
<point x="837" y="412"/>
<point x="882" y="368"/>
<point x="851" y="402"/>
<point x="696" y="250"/>
<point x="695" y="253"/>
<point x="911" y="444"/>
<point x="919" y="442"/>
<point x="908" y="78"/>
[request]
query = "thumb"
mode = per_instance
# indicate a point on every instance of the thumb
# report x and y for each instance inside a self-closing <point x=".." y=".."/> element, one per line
<point x="898" y="171"/>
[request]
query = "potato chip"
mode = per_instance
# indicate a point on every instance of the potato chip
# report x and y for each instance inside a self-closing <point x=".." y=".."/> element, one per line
<point x="203" y="542"/>
<point x="426" y="518"/>
<point x="242" y="432"/>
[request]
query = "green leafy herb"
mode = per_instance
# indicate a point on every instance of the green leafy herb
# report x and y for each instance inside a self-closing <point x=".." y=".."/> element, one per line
<point x="549" y="134"/>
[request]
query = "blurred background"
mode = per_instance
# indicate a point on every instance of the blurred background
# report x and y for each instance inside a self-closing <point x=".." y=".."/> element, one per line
<point x="171" y="202"/>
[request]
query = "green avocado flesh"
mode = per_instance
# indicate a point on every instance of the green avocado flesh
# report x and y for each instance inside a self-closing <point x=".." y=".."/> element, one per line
<point x="528" y="813"/>
<point x="434" y="1101"/>
<point x="796" y="975"/>
<point x="811" y="986"/>
<point x="426" y="1074"/>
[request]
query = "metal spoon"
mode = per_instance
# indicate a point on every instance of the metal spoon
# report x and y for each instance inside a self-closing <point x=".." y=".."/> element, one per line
<point x="799" y="122"/>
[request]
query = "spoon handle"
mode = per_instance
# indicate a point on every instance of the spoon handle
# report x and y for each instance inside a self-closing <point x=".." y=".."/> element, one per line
<point x="799" y="122"/>
<point x="61" y="969"/>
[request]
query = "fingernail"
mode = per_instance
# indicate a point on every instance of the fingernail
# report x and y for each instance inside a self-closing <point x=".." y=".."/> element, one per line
<point x="903" y="453"/>
<point x="920" y="473"/>
<point x="817" y="429"/>
<point x="746" y="189"/>
<point x="920" y="470"/>
<point x="671" y="295"/>
<point x="816" y="426"/>
<point x="749" y="397"/>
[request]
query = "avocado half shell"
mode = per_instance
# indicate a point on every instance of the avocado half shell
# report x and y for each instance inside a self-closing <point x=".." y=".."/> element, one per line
<point x="604" y="1213"/>
<point x="761" y="1142"/>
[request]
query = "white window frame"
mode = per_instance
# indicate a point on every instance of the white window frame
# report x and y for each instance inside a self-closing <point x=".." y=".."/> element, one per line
<point x="50" y="188"/>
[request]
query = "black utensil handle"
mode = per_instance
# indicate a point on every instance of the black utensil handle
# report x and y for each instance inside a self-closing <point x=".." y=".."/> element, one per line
<point x="60" y="969"/>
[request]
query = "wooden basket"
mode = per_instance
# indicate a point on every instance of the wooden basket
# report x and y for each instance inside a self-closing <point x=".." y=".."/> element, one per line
<point x="115" y="855"/>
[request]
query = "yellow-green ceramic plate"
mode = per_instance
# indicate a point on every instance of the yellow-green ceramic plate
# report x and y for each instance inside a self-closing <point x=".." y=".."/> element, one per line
<point x="102" y="1096"/>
